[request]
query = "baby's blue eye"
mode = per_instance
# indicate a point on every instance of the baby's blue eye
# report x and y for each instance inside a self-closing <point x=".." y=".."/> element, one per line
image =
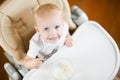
<point x="56" y="27"/>
<point x="46" y="29"/>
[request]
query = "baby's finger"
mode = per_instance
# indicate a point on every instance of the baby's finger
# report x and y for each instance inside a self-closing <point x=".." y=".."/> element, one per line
<point x="36" y="66"/>
<point x="69" y="42"/>
<point x="40" y="59"/>
<point x="70" y="39"/>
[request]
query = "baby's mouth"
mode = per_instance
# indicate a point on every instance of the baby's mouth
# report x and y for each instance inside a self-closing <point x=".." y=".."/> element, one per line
<point x="53" y="38"/>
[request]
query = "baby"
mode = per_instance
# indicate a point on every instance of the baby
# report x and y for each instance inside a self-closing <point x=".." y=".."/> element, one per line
<point x="52" y="32"/>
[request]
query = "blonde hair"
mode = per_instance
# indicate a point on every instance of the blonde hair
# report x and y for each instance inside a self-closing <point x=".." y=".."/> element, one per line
<point x="46" y="9"/>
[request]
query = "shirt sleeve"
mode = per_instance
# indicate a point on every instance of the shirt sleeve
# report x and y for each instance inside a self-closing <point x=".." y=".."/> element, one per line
<point x="34" y="47"/>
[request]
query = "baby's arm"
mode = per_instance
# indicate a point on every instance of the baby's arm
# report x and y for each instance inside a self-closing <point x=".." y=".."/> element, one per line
<point x="30" y="60"/>
<point x="68" y="40"/>
<point x="31" y="63"/>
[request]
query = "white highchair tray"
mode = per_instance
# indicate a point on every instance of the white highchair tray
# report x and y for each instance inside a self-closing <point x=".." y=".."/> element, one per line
<point x="93" y="56"/>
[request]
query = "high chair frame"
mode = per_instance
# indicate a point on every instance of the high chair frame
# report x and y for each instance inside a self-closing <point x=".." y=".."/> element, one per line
<point x="9" y="18"/>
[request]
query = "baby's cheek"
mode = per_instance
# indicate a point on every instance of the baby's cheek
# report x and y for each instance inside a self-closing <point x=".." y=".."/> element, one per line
<point x="60" y="31"/>
<point x="60" y="35"/>
<point x="44" y="36"/>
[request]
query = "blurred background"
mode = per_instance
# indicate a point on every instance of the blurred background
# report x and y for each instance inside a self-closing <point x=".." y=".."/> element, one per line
<point x="105" y="12"/>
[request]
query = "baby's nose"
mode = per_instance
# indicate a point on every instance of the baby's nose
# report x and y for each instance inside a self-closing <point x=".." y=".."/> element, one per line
<point x="53" y="32"/>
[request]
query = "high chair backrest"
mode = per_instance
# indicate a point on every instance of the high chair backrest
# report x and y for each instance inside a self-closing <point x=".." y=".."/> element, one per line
<point x="17" y="25"/>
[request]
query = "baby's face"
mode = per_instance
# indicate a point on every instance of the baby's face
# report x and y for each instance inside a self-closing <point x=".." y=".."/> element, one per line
<point x="50" y="27"/>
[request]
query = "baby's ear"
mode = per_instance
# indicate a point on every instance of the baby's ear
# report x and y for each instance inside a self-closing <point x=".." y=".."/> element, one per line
<point x="36" y="28"/>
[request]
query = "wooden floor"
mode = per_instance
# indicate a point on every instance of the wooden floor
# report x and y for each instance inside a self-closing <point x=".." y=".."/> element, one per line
<point x="105" y="12"/>
<point x="3" y="75"/>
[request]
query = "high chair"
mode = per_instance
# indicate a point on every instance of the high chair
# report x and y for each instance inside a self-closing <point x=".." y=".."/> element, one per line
<point x="16" y="29"/>
<point x="93" y="52"/>
<point x="93" y="56"/>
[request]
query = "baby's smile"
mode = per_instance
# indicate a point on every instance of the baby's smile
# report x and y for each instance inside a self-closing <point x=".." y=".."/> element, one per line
<point x="53" y="39"/>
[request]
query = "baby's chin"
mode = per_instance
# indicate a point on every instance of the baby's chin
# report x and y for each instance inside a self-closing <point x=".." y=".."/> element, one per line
<point x="52" y="42"/>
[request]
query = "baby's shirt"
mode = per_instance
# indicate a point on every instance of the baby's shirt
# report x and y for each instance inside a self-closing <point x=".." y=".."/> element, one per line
<point x="40" y="48"/>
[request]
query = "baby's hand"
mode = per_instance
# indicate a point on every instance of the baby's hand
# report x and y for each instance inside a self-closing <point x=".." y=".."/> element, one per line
<point x="33" y="63"/>
<point x="68" y="41"/>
